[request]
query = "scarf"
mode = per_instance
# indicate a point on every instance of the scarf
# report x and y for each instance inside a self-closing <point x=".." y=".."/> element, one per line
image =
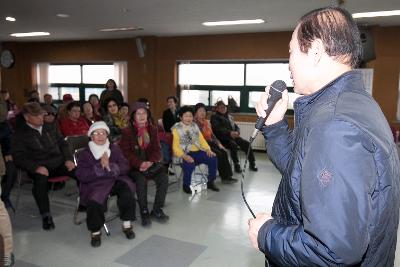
<point x="143" y="136"/>
<point x="98" y="150"/>
<point x="188" y="135"/>
<point x="119" y="120"/>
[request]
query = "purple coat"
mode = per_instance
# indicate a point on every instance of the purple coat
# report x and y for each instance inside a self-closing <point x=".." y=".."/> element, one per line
<point x="95" y="182"/>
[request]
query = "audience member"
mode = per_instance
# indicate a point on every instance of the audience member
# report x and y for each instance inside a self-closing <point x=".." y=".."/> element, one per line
<point x="125" y="111"/>
<point x="149" y="116"/>
<point x="48" y="101"/>
<point x="11" y="106"/>
<point x="141" y="147"/>
<point x="224" y="167"/>
<point x="102" y="171"/>
<point x="114" y="119"/>
<point x="62" y="109"/>
<point x="88" y="113"/>
<point x="227" y="131"/>
<point x="74" y="124"/>
<point x="33" y="96"/>
<point x="97" y="112"/>
<point x="112" y="92"/>
<point x="190" y="145"/>
<point x="170" y="115"/>
<point x="41" y="151"/>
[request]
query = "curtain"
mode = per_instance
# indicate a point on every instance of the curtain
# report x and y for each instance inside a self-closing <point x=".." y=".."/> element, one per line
<point x="121" y="77"/>
<point x="42" y="79"/>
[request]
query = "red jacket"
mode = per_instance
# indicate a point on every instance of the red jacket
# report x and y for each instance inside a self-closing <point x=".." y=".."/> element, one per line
<point x="131" y="150"/>
<point x="69" y="127"/>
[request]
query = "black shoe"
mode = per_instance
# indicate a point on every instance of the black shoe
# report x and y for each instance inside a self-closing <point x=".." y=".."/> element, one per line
<point x="187" y="189"/>
<point x="229" y="180"/>
<point x="95" y="240"/>
<point x="129" y="233"/>
<point x="211" y="186"/>
<point x="145" y="217"/>
<point x="253" y="167"/>
<point x="159" y="215"/>
<point x="81" y="208"/>
<point x="238" y="169"/>
<point x="48" y="223"/>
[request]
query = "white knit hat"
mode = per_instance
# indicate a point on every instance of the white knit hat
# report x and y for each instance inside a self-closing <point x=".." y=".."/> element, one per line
<point x="98" y="125"/>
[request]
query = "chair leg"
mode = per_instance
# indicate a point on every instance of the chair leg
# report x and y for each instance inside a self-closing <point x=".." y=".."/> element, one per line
<point x="106" y="229"/>
<point x="76" y="213"/>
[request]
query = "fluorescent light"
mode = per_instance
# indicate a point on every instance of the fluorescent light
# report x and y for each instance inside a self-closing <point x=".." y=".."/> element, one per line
<point x="233" y="22"/>
<point x="10" y="19"/>
<point x="121" y="29"/>
<point x="376" y="14"/>
<point x="61" y="15"/>
<point x="29" y="34"/>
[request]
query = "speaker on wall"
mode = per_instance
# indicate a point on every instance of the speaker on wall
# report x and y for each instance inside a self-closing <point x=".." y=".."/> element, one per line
<point x="367" y="45"/>
<point x="140" y="47"/>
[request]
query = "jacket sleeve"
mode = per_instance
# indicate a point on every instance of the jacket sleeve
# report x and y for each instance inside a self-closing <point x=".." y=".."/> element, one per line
<point x="278" y="141"/>
<point x="178" y="151"/>
<point x="88" y="170"/>
<point x="64" y="147"/>
<point x="121" y="161"/>
<point x="20" y="154"/>
<point x="337" y="180"/>
<point x="127" y="149"/>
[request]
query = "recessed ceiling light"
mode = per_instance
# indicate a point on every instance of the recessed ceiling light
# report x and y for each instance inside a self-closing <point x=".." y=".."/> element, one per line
<point x="121" y="29"/>
<point x="10" y="19"/>
<point x="29" y="34"/>
<point x="61" y="15"/>
<point x="376" y="14"/>
<point x="233" y="22"/>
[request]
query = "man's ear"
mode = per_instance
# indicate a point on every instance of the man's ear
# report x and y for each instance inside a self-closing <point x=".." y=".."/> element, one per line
<point x="317" y="50"/>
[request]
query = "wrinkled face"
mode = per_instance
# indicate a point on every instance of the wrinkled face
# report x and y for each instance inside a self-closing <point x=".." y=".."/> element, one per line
<point x="222" y="109"/>
<point x="171" y="104"/>
<point x="94" y="101"/>
<point x="300" y="66"/>
<point x="48" y="99"/>
<point x="187" y="118"/>
<point x="88" y="110"/>
<point x="112" y="107"/>
<point x="124" y="110"/>
<point x="35" y="120"/>
<point x="201" y="114"/>
<point x="99" y="137"/>
<point x="49" y="117"/>
<point x="75" y="113"/>
<point x="141" y="116"/>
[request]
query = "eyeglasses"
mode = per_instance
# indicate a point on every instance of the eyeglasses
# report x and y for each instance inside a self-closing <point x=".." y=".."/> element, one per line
<point x="99" y="133"/>
<point x="50" y="114"/>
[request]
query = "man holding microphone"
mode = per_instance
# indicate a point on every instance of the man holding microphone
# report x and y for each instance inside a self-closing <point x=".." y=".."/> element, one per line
<point x="338" y="200"/>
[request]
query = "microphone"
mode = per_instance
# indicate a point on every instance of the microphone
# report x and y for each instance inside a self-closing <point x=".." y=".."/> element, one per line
<point x="275" y="93"/>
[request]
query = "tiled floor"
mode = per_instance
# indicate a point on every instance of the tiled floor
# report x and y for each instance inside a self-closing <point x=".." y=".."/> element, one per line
<point x="209" y="229"/>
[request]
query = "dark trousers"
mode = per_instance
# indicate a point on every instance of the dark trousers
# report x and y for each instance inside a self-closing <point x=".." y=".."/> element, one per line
<point x="40" y="186"/>
<point x="200" y="157"/>
<point x="161" y="181"/>
<point x="8" y="180"/>
<point x="125" y="202"/>
<point x="238" y="143"/>
<point x="224" y="167"/>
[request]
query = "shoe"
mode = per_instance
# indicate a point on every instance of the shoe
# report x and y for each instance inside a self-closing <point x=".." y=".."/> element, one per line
<point x="159" y="215"/>
<point x="48" y="223"/>
<point x="253" y="167"/>
<point x="81" y="208"/>
<point x="129" y="233"/>
<point x="211" y="186"/>
<point x="145" y="217"/>
<point x="238" y="169"/>
<point x="9" y="260"/>
<point x="187" y="189"/>
<point x="95" y="240"/>
<point x="229" y="180"/>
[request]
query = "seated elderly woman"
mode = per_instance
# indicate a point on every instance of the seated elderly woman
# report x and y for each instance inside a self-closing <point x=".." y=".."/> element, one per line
<point x="73" y="124"/>
<point x="140" y="145"/>
<point x="102" y="172"/>
<point x="190" y="145"/>
<point x="114" y="119"/>
<point x="224" y="167"/>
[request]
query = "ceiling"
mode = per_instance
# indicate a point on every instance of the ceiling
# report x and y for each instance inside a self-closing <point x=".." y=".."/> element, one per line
<point x="165" y="17"/>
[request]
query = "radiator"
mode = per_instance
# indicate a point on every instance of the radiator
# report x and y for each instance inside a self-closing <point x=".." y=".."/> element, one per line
<point x="246" y="129"/>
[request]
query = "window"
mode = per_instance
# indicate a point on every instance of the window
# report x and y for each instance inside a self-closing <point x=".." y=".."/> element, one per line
<point x="208" y="82"/>
<point x="78" y="80"/>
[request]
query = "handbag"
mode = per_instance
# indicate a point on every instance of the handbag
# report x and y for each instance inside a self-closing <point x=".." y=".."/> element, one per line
<point x="154" y="169"/>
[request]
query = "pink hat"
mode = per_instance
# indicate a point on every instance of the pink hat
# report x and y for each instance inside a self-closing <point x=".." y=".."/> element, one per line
<point x="67" y="98"/>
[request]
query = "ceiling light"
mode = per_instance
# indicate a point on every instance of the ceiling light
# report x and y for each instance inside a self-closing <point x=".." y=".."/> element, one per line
<point x="233" y="22"/>
<point x="376" y="14"/>
<point x="121" y="29"/>
<point x="29" y="34"/>
<point x="10" y="19"/>
<point x="61" y="15"/>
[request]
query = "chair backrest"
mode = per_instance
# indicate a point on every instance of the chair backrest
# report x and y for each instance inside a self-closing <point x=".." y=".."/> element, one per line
<point x="76" y="142"/>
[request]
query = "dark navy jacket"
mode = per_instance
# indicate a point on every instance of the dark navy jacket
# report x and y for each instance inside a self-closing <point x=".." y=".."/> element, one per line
<point x="338" y="200"/>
